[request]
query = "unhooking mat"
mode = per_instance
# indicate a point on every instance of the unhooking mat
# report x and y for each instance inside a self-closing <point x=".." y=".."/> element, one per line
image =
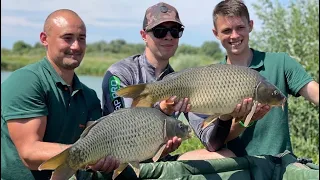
<point x="284" y="166"/>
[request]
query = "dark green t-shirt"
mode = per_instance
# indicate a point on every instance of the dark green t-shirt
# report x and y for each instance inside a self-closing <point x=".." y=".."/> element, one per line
<point x="270" y="135"/>
<point x="37" y="90"/>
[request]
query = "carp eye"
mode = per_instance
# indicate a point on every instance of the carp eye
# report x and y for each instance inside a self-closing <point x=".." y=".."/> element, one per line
<point x="180" y="125"/>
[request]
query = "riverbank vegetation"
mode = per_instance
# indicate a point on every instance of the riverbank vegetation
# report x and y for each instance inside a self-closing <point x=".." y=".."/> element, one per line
<point x="295" y="29"/>
<point x="100" y="55"/>
<point x="291" y="28"/>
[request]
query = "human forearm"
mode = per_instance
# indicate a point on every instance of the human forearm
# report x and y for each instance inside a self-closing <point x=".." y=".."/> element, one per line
<point x="217" y="140"/>
<point x="214" y="135"/>
<point x="235" y="130"/>
<point x="34" y="154"/>
<point x="311" y="92"/>
<point x="27" y="136"/>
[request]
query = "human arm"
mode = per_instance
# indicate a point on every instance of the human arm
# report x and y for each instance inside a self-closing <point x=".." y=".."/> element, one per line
<point x="240" y="112"/>
<point x="299" y="82"/>
<point x="223" y="129"/>
<point x="27" y="136"/>
<point x="25" y="109"/>
<point x="310" y="91"/>
<point x="212" y="136"/>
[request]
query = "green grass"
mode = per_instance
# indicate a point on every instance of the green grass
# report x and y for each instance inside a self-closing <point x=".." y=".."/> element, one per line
<point x="189" y="145"/>
<point x="13" y="62"/>
<point x="97" y="64"/>
<point x="94" y="65"/>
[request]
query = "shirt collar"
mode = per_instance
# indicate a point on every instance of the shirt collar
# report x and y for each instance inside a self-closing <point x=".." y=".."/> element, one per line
<point x="257" y="60"/>
<point x="151" y="69"/>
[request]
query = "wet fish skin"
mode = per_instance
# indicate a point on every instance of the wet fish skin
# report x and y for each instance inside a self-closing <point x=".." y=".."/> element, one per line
<point x="130" y="135"/>
<point x="212" y="90"/>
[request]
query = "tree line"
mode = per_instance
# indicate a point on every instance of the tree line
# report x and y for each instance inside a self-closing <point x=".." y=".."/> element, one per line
<point x="119" y="46"/>
<point x="294" y="28"/>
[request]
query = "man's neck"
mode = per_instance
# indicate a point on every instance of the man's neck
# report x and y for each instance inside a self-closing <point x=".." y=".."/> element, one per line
<point x="66" y="75"/>
<point x="158" y="64"/>
<point x="243" y="59"/>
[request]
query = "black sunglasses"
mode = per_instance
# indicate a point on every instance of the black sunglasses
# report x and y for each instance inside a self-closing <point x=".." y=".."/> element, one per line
<point x="161" y="32"/>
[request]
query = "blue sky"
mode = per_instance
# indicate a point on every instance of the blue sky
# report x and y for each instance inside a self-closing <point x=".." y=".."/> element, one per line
<point x="106" y="20"/>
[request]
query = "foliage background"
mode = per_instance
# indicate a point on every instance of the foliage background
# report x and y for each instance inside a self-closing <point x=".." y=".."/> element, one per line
<point x="294" y="29"/>
<point x="291" y="28"/>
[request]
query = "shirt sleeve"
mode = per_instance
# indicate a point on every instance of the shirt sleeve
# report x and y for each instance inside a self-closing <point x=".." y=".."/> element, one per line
<point x="23" y="96"/>
<point x="110" y="101"/>
<point x="296" y="75"/>
<point x="214" y="135"/>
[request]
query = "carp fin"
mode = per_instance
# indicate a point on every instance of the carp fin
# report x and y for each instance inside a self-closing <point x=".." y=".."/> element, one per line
<point x="55" y="162"/>
<point x="141" y="102"/>
<point x="136" y="168"/>
<point x="157" y="156"/>
<point x="132" y="91"/>
<point x="63" y="172"/>
<point x="119" y="170"/>
<point x="167" y="106"/>
<point x="87" y="129"/>
<point x="249" y="116"/>
<point x="135" y="92"/>
<point x="209" y="120"/>
<point x="169" y="102"/>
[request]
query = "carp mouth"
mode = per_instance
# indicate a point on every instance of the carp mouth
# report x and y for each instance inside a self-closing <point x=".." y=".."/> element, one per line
<point x="282" y="104"/>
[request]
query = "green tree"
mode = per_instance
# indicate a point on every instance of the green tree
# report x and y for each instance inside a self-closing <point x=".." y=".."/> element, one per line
<point x="187" y="49"/>
<point x="21" y="47"/>
<point x="212" y="49"/>
<point x="294" y="29"/>
<point x="116" y="45"/>
<point x="131" y="49"/>
<point x="97" y="47"/>
<point x="38" y="45"/>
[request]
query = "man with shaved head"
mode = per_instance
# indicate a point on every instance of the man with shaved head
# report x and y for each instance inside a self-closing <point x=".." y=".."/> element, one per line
<point x="44" y="106"/>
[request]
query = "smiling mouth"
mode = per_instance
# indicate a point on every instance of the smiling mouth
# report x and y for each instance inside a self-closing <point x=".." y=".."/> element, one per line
<point x="233" y="44"/>
<point x="74" y="55"/>
<point x="167" y="46"/>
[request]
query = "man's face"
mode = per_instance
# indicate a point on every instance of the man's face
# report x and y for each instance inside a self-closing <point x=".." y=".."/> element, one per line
<point x="162" y="48"/>
<point x="233" y="32"/>
<point x="65" y="41"/>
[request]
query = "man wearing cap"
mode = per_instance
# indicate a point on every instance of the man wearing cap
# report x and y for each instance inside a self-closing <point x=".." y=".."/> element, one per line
<point x="150" y="66"/>
<point x="153" y="65"/>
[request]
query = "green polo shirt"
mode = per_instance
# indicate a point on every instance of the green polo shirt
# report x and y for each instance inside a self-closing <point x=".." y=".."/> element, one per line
<point x="37" y="90"/>
<point x="270" y="135"/>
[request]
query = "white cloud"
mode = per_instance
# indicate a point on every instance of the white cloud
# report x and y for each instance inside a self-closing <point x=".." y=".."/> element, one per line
<point x="192" y="13"/>
<point x="18" y="21"/>
<point x="19" y="16"/>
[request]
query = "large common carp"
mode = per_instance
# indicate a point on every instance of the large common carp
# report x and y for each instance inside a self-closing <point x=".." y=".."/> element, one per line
<point x="212" y="90"/>
<point x="131" y="135"/>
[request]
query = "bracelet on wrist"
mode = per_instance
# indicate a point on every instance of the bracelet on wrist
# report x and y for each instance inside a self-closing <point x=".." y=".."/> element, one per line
<point x="242" y="124"/>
